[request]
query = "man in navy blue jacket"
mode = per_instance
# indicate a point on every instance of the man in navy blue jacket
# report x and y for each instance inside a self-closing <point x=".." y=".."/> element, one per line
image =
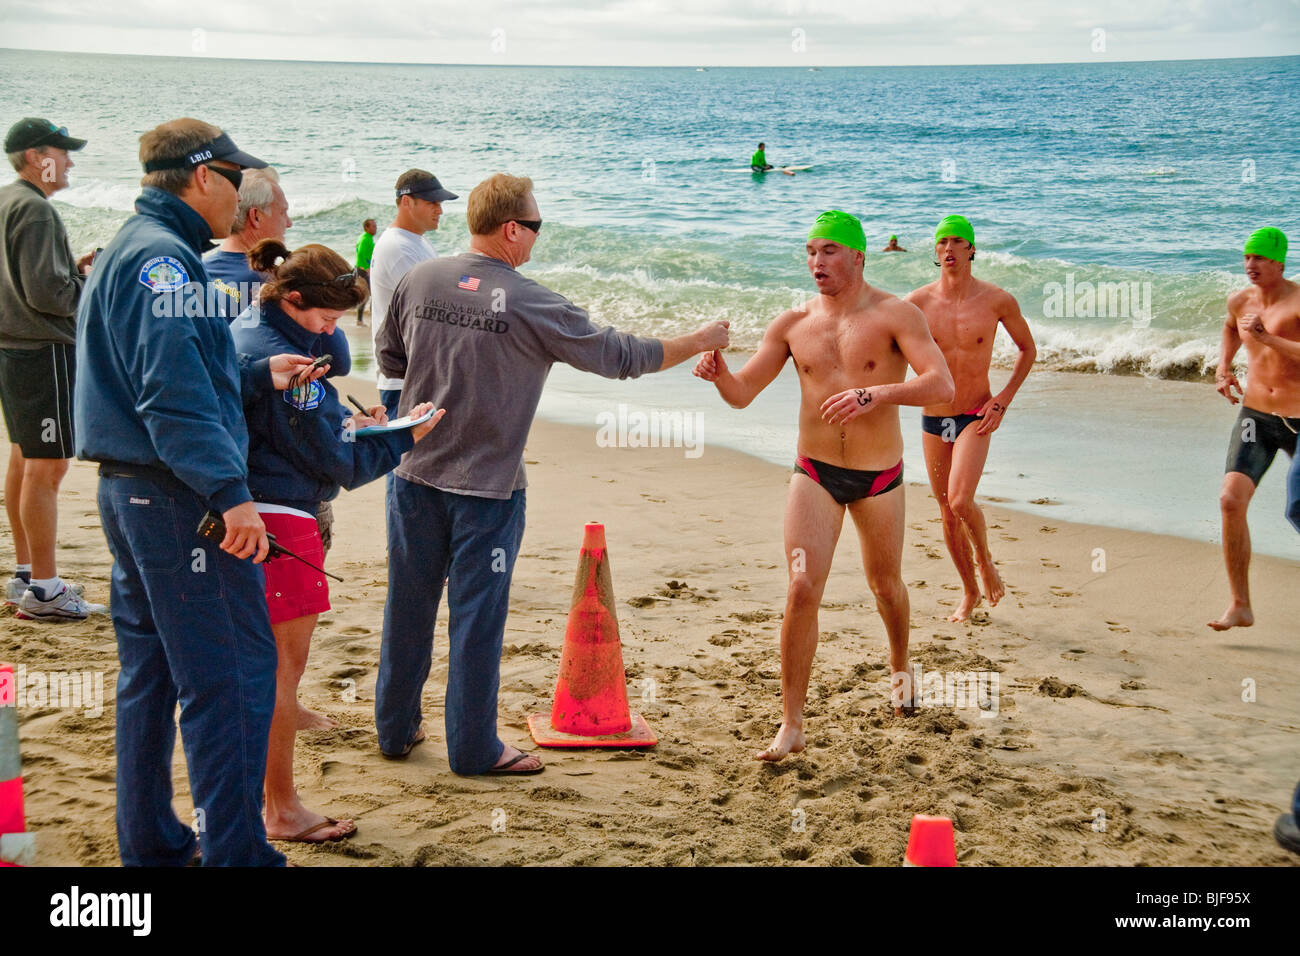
<point x="159" y="403"/>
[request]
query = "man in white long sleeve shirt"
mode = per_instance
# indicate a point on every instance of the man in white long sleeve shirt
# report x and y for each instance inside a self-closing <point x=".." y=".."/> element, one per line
<point x="402" y="245"/>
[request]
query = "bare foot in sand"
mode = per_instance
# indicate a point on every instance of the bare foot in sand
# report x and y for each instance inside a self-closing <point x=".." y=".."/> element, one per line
<point x="969" y="602"/>
<point x="993" y="586"/>
<point x="1237" y="615"/>
<point x="310" y="720"/>
<point x="788" y="740"/>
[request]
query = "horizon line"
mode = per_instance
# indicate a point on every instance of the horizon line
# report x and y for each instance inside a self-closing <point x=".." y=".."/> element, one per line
<point x="646" y="66"/>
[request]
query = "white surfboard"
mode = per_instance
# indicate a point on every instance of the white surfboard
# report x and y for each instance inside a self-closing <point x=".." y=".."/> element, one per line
<point x="788" y="170"/>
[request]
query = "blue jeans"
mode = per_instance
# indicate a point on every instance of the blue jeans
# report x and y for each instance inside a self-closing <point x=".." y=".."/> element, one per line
<point x="473" y="541"/>
<point x="1293" y="490"/>
<point x="192" y="625"/>
<point x="390" y="397"/>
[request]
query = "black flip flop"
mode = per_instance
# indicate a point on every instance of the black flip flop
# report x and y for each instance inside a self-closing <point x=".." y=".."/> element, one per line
<point x="419" y="738"/>
<point x="505" y="771"/>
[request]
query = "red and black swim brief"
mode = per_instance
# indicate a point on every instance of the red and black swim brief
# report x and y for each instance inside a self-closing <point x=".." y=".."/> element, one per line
<point x="847" y="485"/>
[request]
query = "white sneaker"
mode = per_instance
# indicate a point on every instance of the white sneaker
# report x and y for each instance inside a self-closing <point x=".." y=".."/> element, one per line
<point x="65" y="605"/>
<point x="16" y="586"/>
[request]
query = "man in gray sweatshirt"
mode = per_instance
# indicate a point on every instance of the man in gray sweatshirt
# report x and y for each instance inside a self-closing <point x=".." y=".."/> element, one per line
<point x="472" y="335"/>
<point x="40" y="285"/>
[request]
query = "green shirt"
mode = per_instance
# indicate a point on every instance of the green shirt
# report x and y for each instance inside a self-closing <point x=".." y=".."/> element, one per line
<point x="365" y="249"/>
<point x="758" y="159"/>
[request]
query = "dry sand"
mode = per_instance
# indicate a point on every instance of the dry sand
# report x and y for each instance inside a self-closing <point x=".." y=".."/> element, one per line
<point x="1117" y="706"/>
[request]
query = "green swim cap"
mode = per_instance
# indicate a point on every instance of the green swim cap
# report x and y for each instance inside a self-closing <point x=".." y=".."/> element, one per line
<point x="958" y="226"/>
<point x="1267" y="242"/>
<point x="839" y="227"/>
<point x="893" y="238"/>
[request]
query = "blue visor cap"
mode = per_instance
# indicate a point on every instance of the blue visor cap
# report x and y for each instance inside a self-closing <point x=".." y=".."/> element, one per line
<point x="223" y="148"/>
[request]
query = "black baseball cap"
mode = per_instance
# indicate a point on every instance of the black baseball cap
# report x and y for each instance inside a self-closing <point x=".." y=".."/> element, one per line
<point x="31" y="132"/>
<point x="223" y="147"/>
<point x="428" y="189"/>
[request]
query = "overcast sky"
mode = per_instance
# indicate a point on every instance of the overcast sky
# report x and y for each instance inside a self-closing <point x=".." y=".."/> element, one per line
<point x="662" y="32"/>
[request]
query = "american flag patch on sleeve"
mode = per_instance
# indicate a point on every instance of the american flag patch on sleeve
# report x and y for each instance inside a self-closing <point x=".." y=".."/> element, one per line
<point x="468" y="282"/>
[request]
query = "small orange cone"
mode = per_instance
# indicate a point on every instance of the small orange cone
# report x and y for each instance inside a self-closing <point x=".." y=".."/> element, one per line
<point x="590" y="708"/>
<point x="16" y="847"/>
<point x="931" y="842"/>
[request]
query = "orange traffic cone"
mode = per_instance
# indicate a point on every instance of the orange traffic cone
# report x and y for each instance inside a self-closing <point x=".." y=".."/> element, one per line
<point x="590" y="707"/>
<point x="931" y="842"/>
<point x="16" y="847"/>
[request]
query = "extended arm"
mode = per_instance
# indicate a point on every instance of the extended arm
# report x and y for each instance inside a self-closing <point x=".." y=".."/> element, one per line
<point x="704" y="339"/>
<point x="740" y="388"/>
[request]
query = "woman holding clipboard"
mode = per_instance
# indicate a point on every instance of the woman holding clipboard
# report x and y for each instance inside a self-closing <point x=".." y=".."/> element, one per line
<point x="304" y="445"/>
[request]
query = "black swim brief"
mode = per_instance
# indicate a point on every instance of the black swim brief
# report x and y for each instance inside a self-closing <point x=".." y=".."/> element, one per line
<point x="1256" y="439"/>
<point x="948" y="427"/>
<point x="847" y="485"/>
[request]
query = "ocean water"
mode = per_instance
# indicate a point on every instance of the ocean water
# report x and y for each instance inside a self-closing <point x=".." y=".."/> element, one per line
<point x="1145" y="177"/>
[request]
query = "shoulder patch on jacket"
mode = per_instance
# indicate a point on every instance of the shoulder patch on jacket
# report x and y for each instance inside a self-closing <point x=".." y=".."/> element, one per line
<point x="163" y="274"/>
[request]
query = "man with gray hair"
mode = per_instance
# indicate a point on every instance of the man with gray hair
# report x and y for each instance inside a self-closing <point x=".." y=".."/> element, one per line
<point x="40" y="286"/>
<point x="263" y="213"/>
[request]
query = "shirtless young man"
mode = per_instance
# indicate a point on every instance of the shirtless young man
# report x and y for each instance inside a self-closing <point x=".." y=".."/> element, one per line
<point x="1265" y="317"/>
<point x="851" y="346"/>
<point x="963" y="313"/>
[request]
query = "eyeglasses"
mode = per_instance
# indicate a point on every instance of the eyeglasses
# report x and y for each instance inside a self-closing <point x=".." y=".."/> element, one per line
<point x="345" y="281"/>
<point x="232" y="176"/>
<point x="532" y="225"/>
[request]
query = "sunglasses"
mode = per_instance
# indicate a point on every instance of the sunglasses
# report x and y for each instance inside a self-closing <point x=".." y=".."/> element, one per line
<point x="532" y="225"/>
<point x="232" y="176"/>
<point x="345" y="281"/>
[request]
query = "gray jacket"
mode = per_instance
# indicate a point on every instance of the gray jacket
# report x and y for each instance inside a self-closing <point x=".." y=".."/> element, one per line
<point x="39" y="282"/>
<point x="472" y="335"/>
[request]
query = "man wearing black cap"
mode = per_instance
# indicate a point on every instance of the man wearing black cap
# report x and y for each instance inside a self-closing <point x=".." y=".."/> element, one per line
<point x="40" y="285"/>
<point x="159" y="403"/>
<point x="419" y="207"/>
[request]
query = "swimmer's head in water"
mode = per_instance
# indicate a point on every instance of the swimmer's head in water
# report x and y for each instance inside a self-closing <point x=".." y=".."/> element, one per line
<point x="1270" y="243"/>
<point x="839" y="227"/>
<point x="893" y="238"/>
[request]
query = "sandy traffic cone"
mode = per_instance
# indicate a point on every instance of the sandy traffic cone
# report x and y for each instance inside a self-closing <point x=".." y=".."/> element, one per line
<point x="16" y="847"/>
<point x="931" y="842"/>
<point x="590" y="707"/>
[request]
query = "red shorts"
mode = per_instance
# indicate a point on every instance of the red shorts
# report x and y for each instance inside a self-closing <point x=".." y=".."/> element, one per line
<point x="293" y="589"/>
